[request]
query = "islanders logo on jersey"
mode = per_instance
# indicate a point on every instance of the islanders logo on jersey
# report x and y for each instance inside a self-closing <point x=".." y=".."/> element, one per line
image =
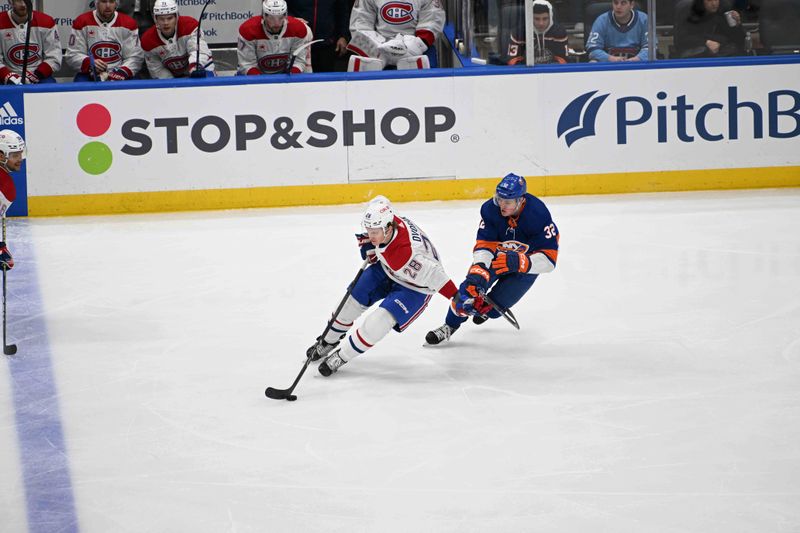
<point x="273" y="63"/>
<point x="397" y="12"/>
<point x="107" y="51"/>
<point x="16" y="54"/>
<point x="512" y="246"/>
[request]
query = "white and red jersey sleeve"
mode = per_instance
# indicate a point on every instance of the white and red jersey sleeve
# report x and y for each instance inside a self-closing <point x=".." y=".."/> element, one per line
<point x="8" y="191"/>
<point x="260" y="52"/>
<point x="173" y="58"/>
<point x="411" y="260"/>
<point x="44" y="49"/>
<point x="423" y="18"/>
<point x="115" y="42"/>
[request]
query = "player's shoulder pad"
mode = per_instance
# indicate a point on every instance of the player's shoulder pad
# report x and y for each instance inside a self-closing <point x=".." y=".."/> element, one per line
<point x="125" y="21"/>
<point x="252" y="29"/>
<point x="83" y="20"/>
<point x="186" y="25"/>
<point x="398" y="252"/>
<point x="295" y="28"/>
<point x="5" y="21"/>
<point x="535" y="214"/>
<point x="150" y="39"/>
<point x="42" y="20"/>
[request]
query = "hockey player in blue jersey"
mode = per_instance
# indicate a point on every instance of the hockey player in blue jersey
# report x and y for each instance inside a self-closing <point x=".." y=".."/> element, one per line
<point x="619" y="35"/>
<point x="517" y="240"/>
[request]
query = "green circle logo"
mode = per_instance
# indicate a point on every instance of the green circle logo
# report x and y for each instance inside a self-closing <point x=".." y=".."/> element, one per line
<point x="95" y="158"/>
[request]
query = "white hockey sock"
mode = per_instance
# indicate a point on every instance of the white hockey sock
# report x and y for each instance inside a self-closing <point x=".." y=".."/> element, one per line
<point x="344" y="320"/>
<point x="375" y="327"/>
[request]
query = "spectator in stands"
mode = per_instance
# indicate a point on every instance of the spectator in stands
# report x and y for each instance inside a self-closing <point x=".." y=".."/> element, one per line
<point x="170" y="47"/>
<point x="104" y="45"/>
<point x="328" y="20"/>
<point x="44" y="48"/>
<point x="549" y="38"/>
<point x="273" y="42"/>
<point x="619" y="35"/>
<point x="387" y="33"/>
<point x="706" y="32"/>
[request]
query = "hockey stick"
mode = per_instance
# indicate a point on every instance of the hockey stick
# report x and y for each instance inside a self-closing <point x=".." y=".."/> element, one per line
<point x="296" y="53"/>
<point x="286" y="394"/>
<point x="506" y="313"/>
<point x="26" y="52"/>
<point x="200" y="31"/>
<point x="8" y="349"/>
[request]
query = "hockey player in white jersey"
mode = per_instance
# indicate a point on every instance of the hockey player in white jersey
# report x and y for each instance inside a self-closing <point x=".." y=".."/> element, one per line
<point x="394" y="33"/>
<point x="44" y="47"/>
<point x="405" y="272"/>
<point x="268" y="42"/>
<point x="104" y="44"/>
<point x="170" y="47"/>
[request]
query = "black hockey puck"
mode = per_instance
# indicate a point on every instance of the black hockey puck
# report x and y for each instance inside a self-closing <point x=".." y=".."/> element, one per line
<point x="291" y="397"/>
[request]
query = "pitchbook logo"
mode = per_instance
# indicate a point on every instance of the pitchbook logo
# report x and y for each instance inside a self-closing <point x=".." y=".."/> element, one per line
<point x="579" y="117"/>
<point x="9" y="116"/>
<point x="95" y="157"/>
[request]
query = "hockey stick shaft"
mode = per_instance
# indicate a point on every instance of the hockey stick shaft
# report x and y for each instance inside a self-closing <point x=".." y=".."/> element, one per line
<point x="296" y="53"/>
<point x="282" y="394"/>
<point x="8" y="349"/>
<point x="200" y="30"/>
<point x="505" y="313"/>
<point x="26" y="51"/>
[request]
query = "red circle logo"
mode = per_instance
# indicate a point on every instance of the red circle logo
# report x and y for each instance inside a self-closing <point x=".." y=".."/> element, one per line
<point x="93" y="120"/>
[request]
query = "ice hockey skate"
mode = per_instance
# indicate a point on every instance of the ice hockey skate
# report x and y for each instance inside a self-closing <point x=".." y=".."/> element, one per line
<point x="440" y="334"/>
<point x="331" y="364"/>
<point x="320" y="349"/>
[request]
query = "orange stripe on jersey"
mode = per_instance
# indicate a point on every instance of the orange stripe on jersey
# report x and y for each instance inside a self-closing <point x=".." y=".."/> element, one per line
<point x="486" y="245"/>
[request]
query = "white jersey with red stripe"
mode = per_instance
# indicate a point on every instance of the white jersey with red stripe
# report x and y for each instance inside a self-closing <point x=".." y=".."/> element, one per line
<point x="174" y="57"/>
<point x="261" y="52"/>
<point x="423" y="18"/>
<point x="44" y="50"/>
<point x="410" y="259"/>
<point x="115" y="42"/>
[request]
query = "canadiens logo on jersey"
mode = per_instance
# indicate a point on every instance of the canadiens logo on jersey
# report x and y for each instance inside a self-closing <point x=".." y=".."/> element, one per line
<point x="397" y="12"/>
<point x="512" y="246"/>
<point x="273" y="63"/>
<point x="16" y="54"/>
<point x="177" y="64"/>
<point x="107" y="51"/>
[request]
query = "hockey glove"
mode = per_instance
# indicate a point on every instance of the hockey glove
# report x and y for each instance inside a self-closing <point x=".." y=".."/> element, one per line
<point x="478" y="278"/>
<point x="32" y="77"/>
<point x="366" y="248"/>
<point x="12" y="79"/>
<point x="6" y="261"/>
<point x="196" y="72"/>
<point x="511" y="262"/>
<point x="465" y="304"/>
<point x="117" y="74"/>
<point x="414" y="45"/>
<point x="394" y="48"/>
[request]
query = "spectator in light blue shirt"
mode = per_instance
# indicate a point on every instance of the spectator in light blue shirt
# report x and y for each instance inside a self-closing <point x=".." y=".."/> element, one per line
<point x="619" y="35"/>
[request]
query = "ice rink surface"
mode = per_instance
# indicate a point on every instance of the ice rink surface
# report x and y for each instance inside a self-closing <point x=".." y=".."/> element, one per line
<point x="654" y="385"/>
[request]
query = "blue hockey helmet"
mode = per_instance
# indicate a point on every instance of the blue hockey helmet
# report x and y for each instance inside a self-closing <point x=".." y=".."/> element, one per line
<point x="511" y="187"/>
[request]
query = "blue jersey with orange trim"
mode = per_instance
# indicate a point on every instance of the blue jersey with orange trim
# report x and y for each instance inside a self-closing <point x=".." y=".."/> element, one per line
<point x="532" y="231"/>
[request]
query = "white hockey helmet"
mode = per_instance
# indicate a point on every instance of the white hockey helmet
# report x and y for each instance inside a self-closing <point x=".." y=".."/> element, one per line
<point x="11" y="142"/>
<point x="275" y="8"/>
<point x="165" y="7"/>
<point x="379" y="214"/>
